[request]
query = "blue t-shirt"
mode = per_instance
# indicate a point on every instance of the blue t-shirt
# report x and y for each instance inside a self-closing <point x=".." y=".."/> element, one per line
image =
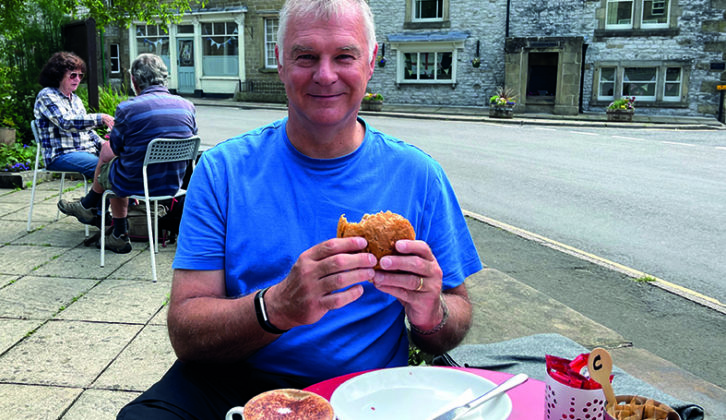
<point x="153" y="113"/>
<point x="255" y="203"/>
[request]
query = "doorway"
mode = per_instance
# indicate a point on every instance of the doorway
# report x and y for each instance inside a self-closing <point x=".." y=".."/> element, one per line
<point x="185" y="69"/>
<point x="542" y="84"/>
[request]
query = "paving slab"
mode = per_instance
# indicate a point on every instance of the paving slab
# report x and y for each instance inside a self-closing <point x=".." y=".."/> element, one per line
<point x="14" y="330"/>
<point x="160" y="317"/>
<point x="140" y="267"/>
<point x="40" y="297"/>
<point x="10" y="231"/>
<point x="35" y="402"/>
<point x="84" y="262"/>
<point x="60" y="235"/>
<point x="505" y="309"/>
<point x="99" y="405"/>
<point x="23" y="259"/>
<point x="131" y="302"/>
<point x="65" y="353"/>
<point x="141" y="364"/>
<point x="6" y="279"/>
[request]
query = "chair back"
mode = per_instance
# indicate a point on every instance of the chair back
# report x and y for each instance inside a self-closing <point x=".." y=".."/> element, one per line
<point x="34" y="129"/>
<point x="162" y="150"/>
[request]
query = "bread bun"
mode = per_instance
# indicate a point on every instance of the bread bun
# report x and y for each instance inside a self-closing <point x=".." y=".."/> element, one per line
<point x="381" y="230"/>
<point x="288" y="404"/>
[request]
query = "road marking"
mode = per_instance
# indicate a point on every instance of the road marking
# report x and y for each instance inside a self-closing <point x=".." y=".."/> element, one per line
<point x="721" y="147"/>
<point x="584" y="133"/>
<point x="684" y="292"/>
<point x="678" y="144"/>
<point x="628" y="138"/>
<point x="545" y="129"/>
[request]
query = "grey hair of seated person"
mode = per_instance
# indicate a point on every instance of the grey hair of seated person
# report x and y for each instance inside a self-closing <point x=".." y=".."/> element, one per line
<point x="325" y="9"/>
<point x="148" y="70"/>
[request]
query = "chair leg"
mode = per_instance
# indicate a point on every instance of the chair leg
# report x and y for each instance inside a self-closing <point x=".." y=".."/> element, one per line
<point x="60" y="195"/>
<point x="152" y="250"/>
<point x="85" y="193"/>
<point x="32" y="199"/>
<point x="103" y="228"/>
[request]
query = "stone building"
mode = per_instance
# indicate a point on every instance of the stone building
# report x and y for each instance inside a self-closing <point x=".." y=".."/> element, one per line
<point x="557" y="56"/>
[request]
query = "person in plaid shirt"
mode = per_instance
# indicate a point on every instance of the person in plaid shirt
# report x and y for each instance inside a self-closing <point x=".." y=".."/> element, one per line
<point x="67" y="139"/>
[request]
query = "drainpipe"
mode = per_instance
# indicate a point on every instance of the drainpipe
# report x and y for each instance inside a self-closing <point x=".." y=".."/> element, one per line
<point x="582" y="76"/>
<point x="506" y="25"/>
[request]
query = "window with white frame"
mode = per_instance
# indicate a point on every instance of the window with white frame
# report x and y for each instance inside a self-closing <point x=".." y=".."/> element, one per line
<point x="629" y="14"/>
<point x="651" y="83"/>
<point x="672" y="86"/>
<point x="220" y="49"/>
<point x="606" y="85"/>
<point x="153" y="39"/>
<point x="427" y="10"/>
<point x="271" y="25"/>
<point x="429" y="63"/>
<point x="114" y="57"/>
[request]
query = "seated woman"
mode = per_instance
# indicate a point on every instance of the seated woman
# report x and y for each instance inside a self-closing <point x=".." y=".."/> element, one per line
<point x="65" y="129"/>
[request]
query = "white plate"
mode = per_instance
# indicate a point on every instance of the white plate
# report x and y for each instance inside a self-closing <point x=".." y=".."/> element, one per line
<point x="416" y="393"/>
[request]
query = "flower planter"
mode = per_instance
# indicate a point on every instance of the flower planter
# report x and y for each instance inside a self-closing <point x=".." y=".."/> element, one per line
<point x="501" y="111"/>
<point x="620" y="115"/>
<point x="7" y="135"/>
<point x="371" y="105"/>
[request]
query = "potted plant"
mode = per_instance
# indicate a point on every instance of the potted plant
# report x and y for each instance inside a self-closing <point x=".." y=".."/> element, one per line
<point x="476" y="62"/>
<point x="381" y="61"/>
<point x="621" y="109"/>
<point x="372" y="102"/>
<point x="502" y="104"/>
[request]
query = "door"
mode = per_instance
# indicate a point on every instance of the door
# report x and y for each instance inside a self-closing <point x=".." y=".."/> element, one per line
<point x="185" y="52"/>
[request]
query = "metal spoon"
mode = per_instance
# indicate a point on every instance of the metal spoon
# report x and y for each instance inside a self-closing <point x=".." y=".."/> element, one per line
<point x="459" y="411"/>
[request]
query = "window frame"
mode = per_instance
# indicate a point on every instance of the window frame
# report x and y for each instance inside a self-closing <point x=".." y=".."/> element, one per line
<point x="637" y="19"/>
<point x="228" y="61"/>
<point x="114" y="58"/>
<point x="666" y="13"/>
<point x="660" y="99"/>
<point x="415" y="5"/>
<point x="266" y="43"/>
<point x="403" y="48"/>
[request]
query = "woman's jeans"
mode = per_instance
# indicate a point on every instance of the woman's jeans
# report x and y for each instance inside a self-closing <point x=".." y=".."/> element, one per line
<point x="82" y="162"/>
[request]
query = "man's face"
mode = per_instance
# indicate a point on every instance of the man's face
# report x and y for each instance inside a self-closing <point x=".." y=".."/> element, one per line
<point x="325" y="69"/>
<point x="70" y="81"/>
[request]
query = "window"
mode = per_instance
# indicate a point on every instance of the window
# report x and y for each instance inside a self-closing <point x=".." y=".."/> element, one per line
<point x="607" y="83"/>
<point x="672" y="88"/>
<point x="153" y="39"/>
<point x="659" y="84"/>
<point x="427" y="66"/>
<point x="640" y="82"/>
<point x="428" y="10"/>
<point x="270" y="41"/>
<point x="634" y="14"/>
<point x="619" y="14"/>
<point x="115" y="58"/>
<point x="220" y="52"/>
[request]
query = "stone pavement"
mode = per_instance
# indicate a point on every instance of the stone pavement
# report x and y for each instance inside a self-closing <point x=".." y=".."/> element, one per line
<point x="78" y="341"/>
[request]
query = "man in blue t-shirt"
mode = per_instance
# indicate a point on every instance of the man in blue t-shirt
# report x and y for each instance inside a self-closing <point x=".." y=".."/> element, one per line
<point x="264" y="295"/>
<point x="153" y="113"/>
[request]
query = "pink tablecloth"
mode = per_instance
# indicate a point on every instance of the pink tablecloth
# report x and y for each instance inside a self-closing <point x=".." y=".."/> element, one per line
<point x="527" y="399"/>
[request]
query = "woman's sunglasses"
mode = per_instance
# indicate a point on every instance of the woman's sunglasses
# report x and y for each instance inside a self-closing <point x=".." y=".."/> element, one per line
<point x="78" y="75"/>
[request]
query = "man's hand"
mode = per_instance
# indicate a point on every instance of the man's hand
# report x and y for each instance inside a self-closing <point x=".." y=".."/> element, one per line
<point x="323" y="278"/>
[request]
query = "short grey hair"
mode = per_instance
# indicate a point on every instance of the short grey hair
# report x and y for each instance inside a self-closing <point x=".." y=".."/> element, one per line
<point x="148" y="70"/>
<point x="325" y="9"/>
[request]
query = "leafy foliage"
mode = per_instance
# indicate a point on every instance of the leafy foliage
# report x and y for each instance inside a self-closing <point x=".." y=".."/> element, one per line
<point x="16" y="157"/>
<point x="626" y="103"/>
<point x="108" y="100"/>
<point x="372" y="97"/>
<point x="503" y="97"/>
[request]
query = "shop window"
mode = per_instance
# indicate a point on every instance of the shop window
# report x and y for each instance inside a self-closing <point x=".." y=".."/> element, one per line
<point x="271" y="26"/>
<point x="220" y="49"/>
<point x="153" y="39"/>
<point x="114" y="58"/>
